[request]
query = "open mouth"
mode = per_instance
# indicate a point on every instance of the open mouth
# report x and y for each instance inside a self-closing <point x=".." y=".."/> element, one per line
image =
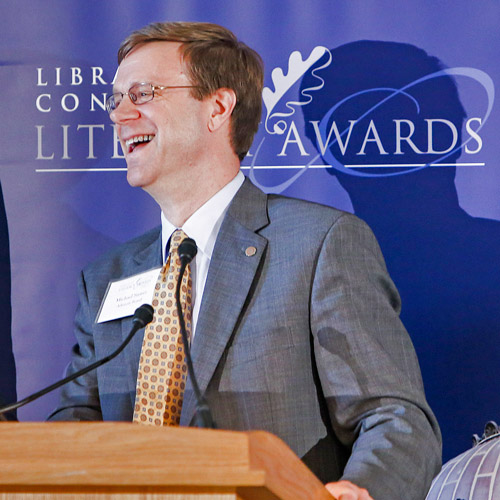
<point x="137" y="141"/>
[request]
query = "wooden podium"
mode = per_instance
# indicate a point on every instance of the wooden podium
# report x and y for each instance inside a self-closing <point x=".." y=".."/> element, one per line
<point x="100" y="460"/>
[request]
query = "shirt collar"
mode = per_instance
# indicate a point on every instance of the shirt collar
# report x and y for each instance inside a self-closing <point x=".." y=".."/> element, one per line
<point x="204" y="224"/>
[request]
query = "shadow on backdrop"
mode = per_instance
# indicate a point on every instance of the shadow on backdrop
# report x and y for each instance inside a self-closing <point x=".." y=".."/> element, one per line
<point x="7" y="365"/>
<point x="444" y="262"/>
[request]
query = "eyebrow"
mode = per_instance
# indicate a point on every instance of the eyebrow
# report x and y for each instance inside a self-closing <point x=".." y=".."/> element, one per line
<point x="131" y="85"/>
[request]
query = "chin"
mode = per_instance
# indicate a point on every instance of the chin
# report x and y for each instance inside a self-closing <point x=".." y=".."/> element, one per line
<point x="136" y="174"/>
<point x="134" y="178"/>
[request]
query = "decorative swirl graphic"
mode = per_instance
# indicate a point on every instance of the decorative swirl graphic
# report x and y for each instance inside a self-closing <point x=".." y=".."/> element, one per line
<point x="475" y="74"/>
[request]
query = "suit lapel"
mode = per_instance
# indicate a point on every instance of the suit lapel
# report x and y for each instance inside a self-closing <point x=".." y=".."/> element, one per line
<point x="229" y="280"/>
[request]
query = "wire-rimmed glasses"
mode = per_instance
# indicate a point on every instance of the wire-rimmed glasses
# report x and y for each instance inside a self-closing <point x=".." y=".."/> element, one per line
<point x="140" y="93"/>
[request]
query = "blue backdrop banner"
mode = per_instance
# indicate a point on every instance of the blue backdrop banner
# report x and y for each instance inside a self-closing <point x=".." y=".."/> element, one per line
<point x="381" y="108"/>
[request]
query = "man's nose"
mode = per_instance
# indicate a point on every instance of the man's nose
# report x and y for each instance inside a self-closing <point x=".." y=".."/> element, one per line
<point x="125" y="111"/>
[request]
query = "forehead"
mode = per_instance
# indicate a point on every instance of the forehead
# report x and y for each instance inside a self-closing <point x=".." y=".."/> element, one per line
<point x="154" y="62"/>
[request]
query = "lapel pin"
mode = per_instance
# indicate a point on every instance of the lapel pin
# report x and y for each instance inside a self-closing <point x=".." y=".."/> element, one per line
<point x="250" y="251"/>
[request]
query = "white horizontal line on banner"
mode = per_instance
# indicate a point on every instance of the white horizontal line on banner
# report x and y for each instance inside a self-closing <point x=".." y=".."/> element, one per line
<point x="52" y="170"/>
<point x="412" y="165"/>
<point x="282" y="167"/>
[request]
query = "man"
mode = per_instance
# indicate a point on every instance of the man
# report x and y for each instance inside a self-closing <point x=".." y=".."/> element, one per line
<point x="295" y="319"/>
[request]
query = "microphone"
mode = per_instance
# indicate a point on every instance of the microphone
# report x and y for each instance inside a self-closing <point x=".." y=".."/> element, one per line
<point x="187" y="250"/>
<point x="203" y="418"/>
<point x="142" y="316"/>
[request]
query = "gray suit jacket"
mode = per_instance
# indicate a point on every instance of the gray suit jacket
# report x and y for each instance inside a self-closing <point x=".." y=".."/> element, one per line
<point x="302" y="339"/>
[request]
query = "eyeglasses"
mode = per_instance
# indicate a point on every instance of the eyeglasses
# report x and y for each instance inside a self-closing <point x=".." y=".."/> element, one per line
<point x="140" y="93"/>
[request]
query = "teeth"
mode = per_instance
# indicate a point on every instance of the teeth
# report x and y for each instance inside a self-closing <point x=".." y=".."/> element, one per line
<point x="139" y="138"/>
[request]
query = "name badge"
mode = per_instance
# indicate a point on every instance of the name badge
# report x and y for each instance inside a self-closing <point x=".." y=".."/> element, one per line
<point x="124" y="296"/>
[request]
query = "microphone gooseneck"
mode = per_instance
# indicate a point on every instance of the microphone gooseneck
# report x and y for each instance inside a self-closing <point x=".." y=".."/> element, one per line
<point x="203" y="418"/>
<point x="142" y="316"/>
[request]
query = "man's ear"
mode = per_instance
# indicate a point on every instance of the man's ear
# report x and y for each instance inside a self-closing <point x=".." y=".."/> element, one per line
<point x="223" y="102"/>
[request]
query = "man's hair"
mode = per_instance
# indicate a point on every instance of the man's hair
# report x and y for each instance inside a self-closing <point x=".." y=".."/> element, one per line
<point x="214" y="59"/>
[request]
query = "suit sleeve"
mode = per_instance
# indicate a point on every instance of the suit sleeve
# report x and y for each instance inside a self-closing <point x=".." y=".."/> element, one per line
<point x="368" y="369"/>
<point x="80" y="398"/>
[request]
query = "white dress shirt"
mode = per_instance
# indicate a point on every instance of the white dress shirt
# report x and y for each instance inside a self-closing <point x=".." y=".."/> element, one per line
<point x="203" y="226"/>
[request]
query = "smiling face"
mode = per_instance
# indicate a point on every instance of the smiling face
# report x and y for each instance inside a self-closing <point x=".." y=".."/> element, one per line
<point x="165" y="140"/>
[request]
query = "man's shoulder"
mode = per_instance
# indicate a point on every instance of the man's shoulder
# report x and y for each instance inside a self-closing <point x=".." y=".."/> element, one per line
<point x="302" y="212"/>
<point x="281" y="202"/>
<point x="255" y="208"/>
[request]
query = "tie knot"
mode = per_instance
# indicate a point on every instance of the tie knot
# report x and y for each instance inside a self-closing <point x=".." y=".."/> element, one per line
<point x="176" y="239"/>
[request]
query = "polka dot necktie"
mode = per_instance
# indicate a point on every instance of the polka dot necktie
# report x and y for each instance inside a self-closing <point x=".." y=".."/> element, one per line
<point x="162" y="374"/>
